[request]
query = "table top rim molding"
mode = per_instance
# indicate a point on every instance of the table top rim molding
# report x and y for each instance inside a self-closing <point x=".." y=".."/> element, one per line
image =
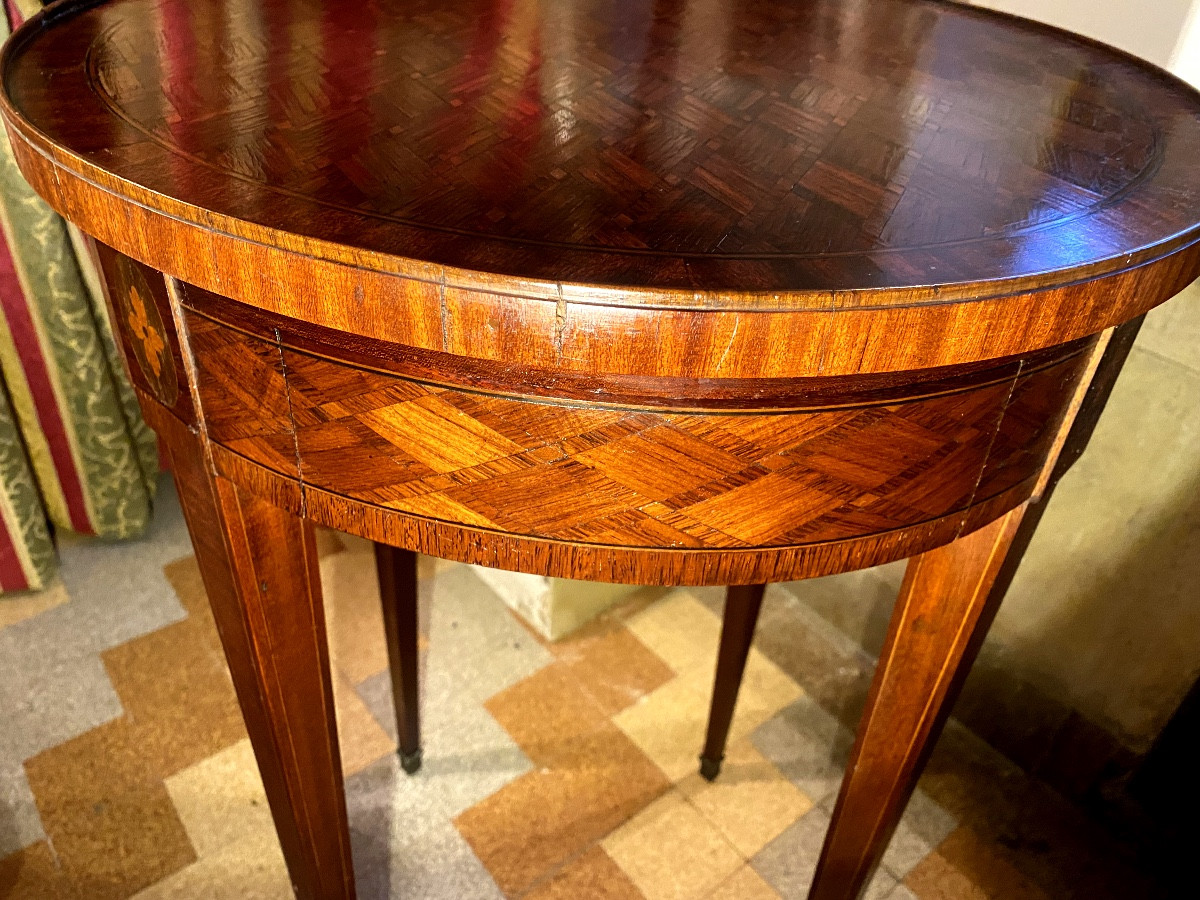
<point x="119" y="212"/>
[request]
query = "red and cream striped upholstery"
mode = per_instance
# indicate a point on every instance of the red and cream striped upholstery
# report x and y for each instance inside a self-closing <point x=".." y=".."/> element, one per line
<point x="74" y="452"/>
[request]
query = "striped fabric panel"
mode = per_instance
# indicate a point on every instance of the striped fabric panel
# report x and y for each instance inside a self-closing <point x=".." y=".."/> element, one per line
<point x="20" y="10"/>
<point x="30" y="380"/>
<point x="93" y="459"/>
<point x="26" y="551"/>
<point x="150" y="460"/>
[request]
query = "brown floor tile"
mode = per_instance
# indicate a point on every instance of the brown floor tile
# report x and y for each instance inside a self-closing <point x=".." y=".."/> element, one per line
<point x="533" y="824"/>
<point x="107" y="813"/>
<point x="671" y="852"/>
<point x="178" y="696"/>
<point x="983" y="864"/>
<point x="32" y="874"/>
<point x="551" y="717"/>
<point x="184" y="576"/>
<point x="614" y="667"/>
<point x="595" y="802"/>
<point x="590" y="779"/>
<point x="935" y="879"/>
<point x="593" y="875"/>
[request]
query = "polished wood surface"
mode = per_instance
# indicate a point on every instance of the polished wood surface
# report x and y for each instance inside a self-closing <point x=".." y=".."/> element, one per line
<point x="593" y="488"/>
<point x="399" y="592"/>
<point x="623" y="190"/>
<point x="742" y="605"/>
<point x="930" y="646"/>
<point x="704" y="292"/>
<point x="259" y="565"/>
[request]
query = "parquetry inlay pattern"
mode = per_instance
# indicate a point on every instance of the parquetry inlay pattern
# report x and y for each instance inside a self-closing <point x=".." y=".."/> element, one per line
<point x="757" y="143"/>
<point x="616" y="476"/>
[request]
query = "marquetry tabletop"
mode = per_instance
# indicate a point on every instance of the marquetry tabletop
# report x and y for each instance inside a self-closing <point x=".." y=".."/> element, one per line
<point x="753" y="157"/>
<point x="673" y="292"/>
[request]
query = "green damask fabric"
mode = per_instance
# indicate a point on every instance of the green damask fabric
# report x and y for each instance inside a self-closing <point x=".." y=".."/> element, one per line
<point x="106" y="450"/>
<point x="22" y="515"/>
<point x="72" y="416"/>
<point x="145" y="443"/>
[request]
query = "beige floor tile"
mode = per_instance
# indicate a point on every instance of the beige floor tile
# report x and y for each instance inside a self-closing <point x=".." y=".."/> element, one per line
<point x="750" y="803"/>
<point x="671" y="852"/>
<point x="551" y="717"/>
<point x="184" y="576"/>
<point x="744" y="884"/>
<point x="669" y="723"/>
<point x="766" y="689"/>
<point x="361" y="739"/>
<point x="681" y="630"/>
<point x="249" y="870"/>
<point x="107" y="814"/>
<point x="221" y="801"/>
<point x="20" y="607"/>
<point x="352" y="612"/>
<point x="613" y="666"/>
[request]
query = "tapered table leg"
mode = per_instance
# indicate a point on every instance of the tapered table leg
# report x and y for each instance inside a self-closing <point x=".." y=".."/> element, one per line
<point x="259" y="565"/>
<point x="944" y="610"/>
<point x="398" y="591"/>
<point x="742" y="604"/>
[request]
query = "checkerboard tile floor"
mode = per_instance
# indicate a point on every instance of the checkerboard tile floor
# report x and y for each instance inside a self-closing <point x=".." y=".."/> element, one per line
<point x="563" y="770"/>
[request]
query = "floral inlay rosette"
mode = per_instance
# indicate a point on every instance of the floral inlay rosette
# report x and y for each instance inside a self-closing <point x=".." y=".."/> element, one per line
<point x="145" y="334"/>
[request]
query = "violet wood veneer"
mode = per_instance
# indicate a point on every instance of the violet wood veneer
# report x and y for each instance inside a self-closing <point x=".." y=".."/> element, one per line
<point x="662" y="293"/>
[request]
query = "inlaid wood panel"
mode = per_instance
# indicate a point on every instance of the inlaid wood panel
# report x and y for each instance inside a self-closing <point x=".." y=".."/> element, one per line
<point x="143" y="327"/>
<point x="687" y="388"/>
<point x="623" y="477"/>
<point x="243" y="396"/>
<point x="1030" y="427"/>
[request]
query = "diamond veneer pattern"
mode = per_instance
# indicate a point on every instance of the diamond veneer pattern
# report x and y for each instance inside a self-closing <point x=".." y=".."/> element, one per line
<point x="618" y="476"/>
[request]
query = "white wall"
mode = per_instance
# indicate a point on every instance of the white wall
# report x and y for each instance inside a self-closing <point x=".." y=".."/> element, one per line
<point x="1148" y="28"/>
<point x="1185" y="61"/>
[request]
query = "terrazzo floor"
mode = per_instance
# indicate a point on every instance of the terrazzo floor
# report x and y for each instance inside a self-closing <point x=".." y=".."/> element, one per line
<point x="563" y="770"/>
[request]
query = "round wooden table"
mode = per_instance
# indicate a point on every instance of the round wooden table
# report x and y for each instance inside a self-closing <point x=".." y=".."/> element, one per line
<point x="663" y="293"/>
